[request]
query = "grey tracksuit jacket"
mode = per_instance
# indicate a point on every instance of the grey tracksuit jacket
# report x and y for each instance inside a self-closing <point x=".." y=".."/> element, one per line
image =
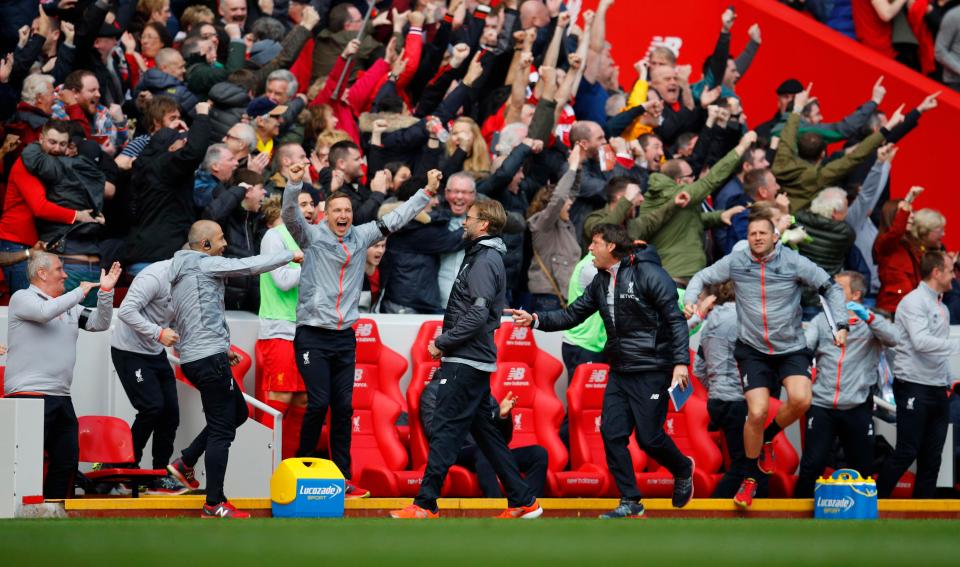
<point x="42" y="336"/>
<point x="714" y="363"/>
<point x="922" y="356"/>
<point x="846" y="374"/>
<point x="331" y="277"/>
<point x="768" y="295"/>
<point x="196" y="287"/>
<point x="146" y="310"/>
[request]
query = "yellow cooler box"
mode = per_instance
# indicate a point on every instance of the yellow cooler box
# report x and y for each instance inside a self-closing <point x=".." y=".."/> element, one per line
<point x="307" y="488"/>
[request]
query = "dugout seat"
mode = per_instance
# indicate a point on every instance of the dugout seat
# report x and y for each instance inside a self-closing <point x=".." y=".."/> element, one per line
<point x="389" y="365"/>
<point x="536" y="421"/>
<point x="699" y="390"/>
<point x="429" y="330"/>
<point x="584" y="408"/>
<point x="688" y="429"/>
<point x="518" y="344"/>
<point x="460" y="481"/>
<point x="107" y="439"/>
<point x="376" y="452"/>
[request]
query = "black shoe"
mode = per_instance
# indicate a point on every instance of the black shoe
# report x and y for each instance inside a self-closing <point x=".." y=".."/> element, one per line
<point x="626" y="509"/>
<point x="683" y="488"/>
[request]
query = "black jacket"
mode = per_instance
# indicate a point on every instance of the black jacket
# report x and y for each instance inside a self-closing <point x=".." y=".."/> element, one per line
<point x="830" y="242"/>
<point x="229" y="104"/>
<point x="476" y="304"/>
<point x="648" y="331"/>
<point x="163" y="193"/>
<point x="411" y="263"/>
<point x="243" y="230"/>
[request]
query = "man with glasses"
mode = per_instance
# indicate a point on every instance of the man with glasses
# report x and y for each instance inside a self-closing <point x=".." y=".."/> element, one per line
<point x="459" y="195"/>
<point x="468" y="355"/>
<point x="680" y="239"/>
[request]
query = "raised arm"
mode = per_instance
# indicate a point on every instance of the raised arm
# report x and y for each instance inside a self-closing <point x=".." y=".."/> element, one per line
<point x="396" y="219"/>
<point x="30" y="306"/>
<point x="302" y="233"/>
<point x="252" y="266"/>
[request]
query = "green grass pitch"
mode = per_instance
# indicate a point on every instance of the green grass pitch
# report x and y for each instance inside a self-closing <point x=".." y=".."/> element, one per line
<point x="667" y="542"/>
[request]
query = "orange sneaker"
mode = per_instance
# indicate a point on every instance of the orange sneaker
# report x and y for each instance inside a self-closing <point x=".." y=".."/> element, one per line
<point x="523" y="512"/>
<point x="414" y="512"/>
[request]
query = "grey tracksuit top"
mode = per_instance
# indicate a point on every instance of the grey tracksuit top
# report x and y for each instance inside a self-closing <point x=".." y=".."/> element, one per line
<point x="714" y="364"/>
<point x="922" y="356"/>
<point x="196" y="286"/>
<point x="42" y="336"/>
<point x="768" y="295"/>
<point x="146" y="310"/>
<point x="846" y="374"/>
<point x="331" y="277"/>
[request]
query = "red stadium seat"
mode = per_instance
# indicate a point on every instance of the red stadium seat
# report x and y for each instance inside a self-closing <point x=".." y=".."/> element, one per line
<point x="584" y="407"/>
<point x="536" y="421"/>
<point x="688" y="429"/>
<point x="375" y="450"/>
<point x="460" y="482"/>
<point x="518" y="344"/>
<point x="784" y="476"/>
<point x="389" y="364"/>
<point x="429" y="330"/>
<point x="107" y="439"/>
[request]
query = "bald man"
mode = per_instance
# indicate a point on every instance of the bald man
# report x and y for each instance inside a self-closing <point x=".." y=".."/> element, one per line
<point x="197" y="286"/>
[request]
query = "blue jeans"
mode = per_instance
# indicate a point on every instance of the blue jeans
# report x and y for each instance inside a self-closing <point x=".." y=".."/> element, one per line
<point x="135" y="269"/>
<point x="86" y="272"/>
<point x="15" y="274"/>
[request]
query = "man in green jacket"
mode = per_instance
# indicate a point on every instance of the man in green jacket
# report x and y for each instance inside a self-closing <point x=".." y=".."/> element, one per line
<point x="343" y="24"/>
<point x="680" y="240"/>
<point x="798" y="165"/>
<point x="623" y="197"/>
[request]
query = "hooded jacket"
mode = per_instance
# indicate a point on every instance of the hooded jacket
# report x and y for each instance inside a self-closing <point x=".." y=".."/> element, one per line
<point x="163" y="193"/>
<point x="229" y="105"/>
<point x="331" y="277"/>
<point x="846" y="374"/>
<point x="769" y="290"/>
<point x="201" y="76"/>
<point x="196" y="287"/>
<point x="156" y="82"/>
<point x="476" y="303"/>
<point x="680" y="240"/>
<point x="646" y="331"/>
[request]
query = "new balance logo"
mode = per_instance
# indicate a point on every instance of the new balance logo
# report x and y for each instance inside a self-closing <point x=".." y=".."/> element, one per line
<point x="519" y="334"/>
<point x="222" y="512"/>
<point x="306" y="359"/>
<point x="655" y="397"/>
<point x="910" y="403"/>
<point x="139" y="375"/>
<point x="810" y="423"/>
<point x="364" y="329"/>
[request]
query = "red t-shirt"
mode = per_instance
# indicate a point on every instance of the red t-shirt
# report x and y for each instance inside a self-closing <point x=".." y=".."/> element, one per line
<point x="871" y="30"/>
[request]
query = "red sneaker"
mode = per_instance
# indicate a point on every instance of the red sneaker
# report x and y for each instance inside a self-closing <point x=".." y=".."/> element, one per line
<point x="414" y="512"/>
<point x="767" y="461"/>
<point x="183" y="474"/>
<point x="223" y="510"/>
<point x="524" y="512"/>
<point x="353" y="491"/>
<point x="744" y="497"/>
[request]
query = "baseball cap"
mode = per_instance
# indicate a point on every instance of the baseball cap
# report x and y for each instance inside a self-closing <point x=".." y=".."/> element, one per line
<point x="263" y="106"/>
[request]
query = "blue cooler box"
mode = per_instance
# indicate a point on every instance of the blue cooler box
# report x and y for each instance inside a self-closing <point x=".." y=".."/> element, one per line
<point x="845" y="496"/>
<point x="307" y="488"/>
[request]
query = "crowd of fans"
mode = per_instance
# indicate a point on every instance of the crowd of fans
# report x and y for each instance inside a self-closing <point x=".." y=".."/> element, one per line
<point x="922" y="34"/>
<point x="126" y="121"/>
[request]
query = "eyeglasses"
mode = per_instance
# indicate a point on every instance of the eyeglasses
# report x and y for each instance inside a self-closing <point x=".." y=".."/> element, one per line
<point x="471" y="217"/>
